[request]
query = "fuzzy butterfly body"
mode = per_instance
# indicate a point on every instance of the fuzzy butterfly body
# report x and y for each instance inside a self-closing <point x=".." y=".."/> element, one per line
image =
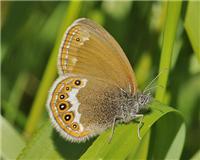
<point x="96" y="87"/>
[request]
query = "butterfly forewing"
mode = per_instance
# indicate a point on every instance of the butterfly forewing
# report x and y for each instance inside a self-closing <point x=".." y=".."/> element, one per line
<point x="87" y="49"/>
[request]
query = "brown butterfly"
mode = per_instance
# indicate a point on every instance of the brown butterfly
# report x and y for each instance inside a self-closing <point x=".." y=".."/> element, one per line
<point x="96" y="87"/>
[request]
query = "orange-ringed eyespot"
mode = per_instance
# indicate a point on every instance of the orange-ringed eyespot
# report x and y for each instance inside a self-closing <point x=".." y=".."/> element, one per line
<point x="74" y="125"/>
<point x="62" y="96"/>
<point x="62" y="106"/>
<point x="67" y="117"/>
<point x="77" y="82"/>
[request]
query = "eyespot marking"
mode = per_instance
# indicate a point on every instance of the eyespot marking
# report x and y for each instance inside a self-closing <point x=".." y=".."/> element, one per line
<point x="63" y="106"/>
<point x="62" y="96"/>
<point x="77" y="39"/>
<point x="68" y="88"/>
<point x="77" y="82"/>
<point x="75" y="126"/>
<point x="68" y="117"/>
<point x="67" y="121"/>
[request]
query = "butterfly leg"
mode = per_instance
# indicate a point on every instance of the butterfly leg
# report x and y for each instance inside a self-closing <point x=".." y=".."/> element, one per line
<point x="140" y="124"/>
<point x="113" y="128"/>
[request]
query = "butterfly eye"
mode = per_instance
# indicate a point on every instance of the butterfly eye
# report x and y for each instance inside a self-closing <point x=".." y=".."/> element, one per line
<point x="68" y="117"/>
<point x="75" y="126"/>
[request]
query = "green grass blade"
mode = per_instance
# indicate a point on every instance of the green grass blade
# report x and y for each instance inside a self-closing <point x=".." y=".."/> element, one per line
<point x="12" y="106"/>
<point x="11" y="142"/>
<point x="168" y="139"/>
<point x="187" y="104"/>
<point x="173" y="13"/>
<point x="192" y="25"/>
<point x="48" y="144"/>
<point x="196" y="155"/>
<point x="142" y="151"/>
<point x="165" y="147"/>
<point x="50" y="72"/>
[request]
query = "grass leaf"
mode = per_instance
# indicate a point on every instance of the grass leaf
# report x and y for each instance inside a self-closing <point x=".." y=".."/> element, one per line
<point x="48" y="144"/>
<point x="12" y="106"/>
<point x="165" y="146"/>
<point x="192" y="25"/>
<point x="173" y="13"/>
<point x="196" y="155"/>
<point x="186" y="104"/>
<point x="143" y="149"/>
<point x="11" y="143"/>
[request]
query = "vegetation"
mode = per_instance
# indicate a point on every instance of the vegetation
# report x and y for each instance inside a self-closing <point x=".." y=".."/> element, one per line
<point x="157" y="37"/>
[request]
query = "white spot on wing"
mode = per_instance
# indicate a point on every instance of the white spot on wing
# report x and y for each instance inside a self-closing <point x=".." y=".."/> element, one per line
<point x="85" y="39"/>
<point x="75" y="103"/>
<point x="74" y="60"/>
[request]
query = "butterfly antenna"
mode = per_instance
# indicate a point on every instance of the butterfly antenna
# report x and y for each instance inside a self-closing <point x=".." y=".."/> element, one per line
<point x="148" y="89"/>
<point x="153" y="80"/>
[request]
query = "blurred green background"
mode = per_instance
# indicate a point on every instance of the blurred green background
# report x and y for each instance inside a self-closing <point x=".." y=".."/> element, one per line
<point x="30" y="36"/>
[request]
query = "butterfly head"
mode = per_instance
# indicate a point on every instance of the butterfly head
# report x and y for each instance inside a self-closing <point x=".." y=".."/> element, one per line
<point x="135" y="104"/>
<point x="142" y="99"/>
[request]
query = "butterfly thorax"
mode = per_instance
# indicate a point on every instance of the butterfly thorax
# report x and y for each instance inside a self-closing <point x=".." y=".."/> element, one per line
<point x="134" y="104"/>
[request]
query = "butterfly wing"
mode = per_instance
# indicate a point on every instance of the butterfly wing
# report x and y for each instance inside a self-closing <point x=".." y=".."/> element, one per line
<point x="88" y="49"/>
<point x="79" y="110"/>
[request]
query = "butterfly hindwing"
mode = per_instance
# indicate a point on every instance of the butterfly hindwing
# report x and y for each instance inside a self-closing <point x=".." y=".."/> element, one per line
<point x="83" y="106"/>
<point x="63" y="107"/>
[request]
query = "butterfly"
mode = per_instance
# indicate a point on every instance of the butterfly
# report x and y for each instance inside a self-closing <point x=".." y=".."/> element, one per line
<point x="96" y="87"/>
